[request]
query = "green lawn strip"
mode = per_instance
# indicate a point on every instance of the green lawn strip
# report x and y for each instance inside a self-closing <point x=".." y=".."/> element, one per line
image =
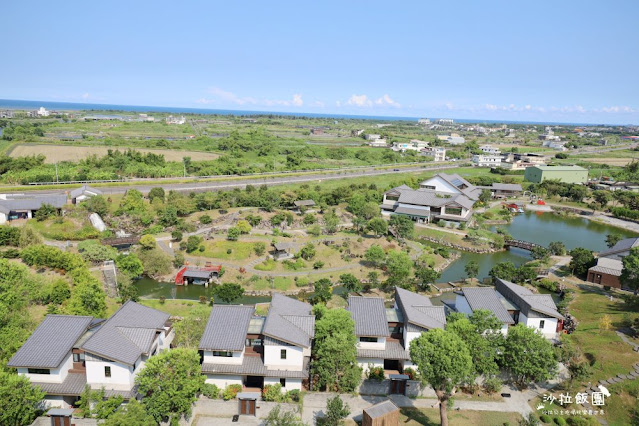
<point x="218" y="249"/>
<point x="430" y="416"/>
<point x="175" y="307"/>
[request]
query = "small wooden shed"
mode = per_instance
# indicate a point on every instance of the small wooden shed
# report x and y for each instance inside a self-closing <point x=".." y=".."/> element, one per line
<point x="384" y="413"/>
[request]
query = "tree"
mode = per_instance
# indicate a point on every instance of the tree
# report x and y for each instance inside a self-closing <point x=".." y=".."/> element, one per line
<point x="243" y="226"/>
<point x="259" y="248"/>
<point x="309" y="219"/>
<point x="375" y="255"/>
<point x="331" y="222"/>
<point x="44" y="212"/>
<point x="277" y="417"/>
<point x="20" y="400"/>
<point x="377" y="226"/>
<point x="602" y="198"/>
<point x="93" y="251"/>
<point x="540" y="253"/>
<point x="398" y="267"/>
<point x="147" y="242"/>
<point x="504" y="270"/>
<point x="426" y="276"/>
<point x="582" y="259"/>
<point x="402" y="225"/>
<point x="29" y="237"/>
<point x="308" y="251"/>
<point x="170" y="382"/>
<point x="605" y="323"/>
<point x="612" y="239"/>
<point x="481" y="332"/>
<point x="189" y="330"/>
<point x="129" y="264"/>
<point x="155" y="262"/>
<point x="87" y="298"/>
<point x="228" y="292"/>
<point x="193" y="243"/>
<point x="323" y="291"/>
<point x="336" y="411"/>
<point x="444" y="362"/>
<point x="131" y="414"/>
<point x="472" y="269"/>
<point x="156" y="193"/>
<point x="528" y="356"/>
<point x="485" y="196"/>
<point x="97" y="204"/>
<point x="176" y="235"/>
<point x="557" y="248"/>
<point x="350" y="282"/>
<point x="630" y="271"/>
<point x="233" y="234"/>
<point x="334" y="367"/>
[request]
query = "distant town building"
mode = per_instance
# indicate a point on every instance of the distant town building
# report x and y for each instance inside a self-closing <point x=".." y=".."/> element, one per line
<point x="423" y="121"/>
<point x="6" y="114"/>
<point x="43" y="112"/>
<point x="489" y="149"/>
<point x="356" y="133"/>
<point x="486" y="160"/>
<point x="413" y="145"/>
<point x="175" y="120"/>
<point x="445" y="122"/>
<point x="566" y="174"/>
<point x="146" y="117"/>
<point x="372" y="136"/>
<point x="555" y="144"/>
<point x="378" y="143"/>
<point x="549" y="135"/>
<point x="437" y="152"/>
<point x="317" y="131"/>
<point x="381" y="125"/>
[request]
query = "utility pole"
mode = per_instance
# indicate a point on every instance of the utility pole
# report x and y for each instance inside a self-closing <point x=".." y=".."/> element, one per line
<point x="56" y="172"/>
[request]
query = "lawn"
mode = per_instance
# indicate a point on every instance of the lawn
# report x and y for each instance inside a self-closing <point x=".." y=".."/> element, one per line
<point x="65" y="229"/>
<point x="219" y="249"/>
<point x="430" y="416"/>
<point x="175" y="307"/>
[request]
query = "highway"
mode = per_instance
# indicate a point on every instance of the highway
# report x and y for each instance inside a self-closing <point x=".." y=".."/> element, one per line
<point x="232" y="183"/>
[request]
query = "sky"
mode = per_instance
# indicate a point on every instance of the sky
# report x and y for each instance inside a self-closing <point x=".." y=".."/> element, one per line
<point x="561" y="61"/>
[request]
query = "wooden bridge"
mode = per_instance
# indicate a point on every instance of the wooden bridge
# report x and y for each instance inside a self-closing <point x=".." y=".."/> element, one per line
<point x="521" y="244"/>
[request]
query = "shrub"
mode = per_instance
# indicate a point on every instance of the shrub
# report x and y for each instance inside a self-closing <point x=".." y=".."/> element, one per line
<point x="231" y="391"/>
<point x="203" y="300"/>
<point x="560" y="421"/>
<point x="545" y="418"/>
<point x="411" y="373"/>
<point x="376" y="373"/>
<point x="176" y="235"/>
<point x="294" y="395"/>
<point x="162" y="300"/>
<point x="210" y="391"/>
<point x="492" y="385"/>
<point x="441" y="223"/>
<point x="259" y="248"/>
<point x="318" y="264"/>
<point x="273" y="393"/>
<point x="548" y="284"/>
<point x="205" y="219"/>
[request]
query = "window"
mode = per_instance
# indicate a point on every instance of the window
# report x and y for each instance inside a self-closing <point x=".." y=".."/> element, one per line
<point x="283" y="354"/>
<point x="222" y="353"/>
<point x="107" y="371"/>
<point x="78" y="357"/>
<point x="395" y="329"/>
<point x="253" y="342"/>
<point x="39" y="371"/>
<point x="541" y="323"/>
<point x="368" y="339"/>
<point x="283" y="382"/>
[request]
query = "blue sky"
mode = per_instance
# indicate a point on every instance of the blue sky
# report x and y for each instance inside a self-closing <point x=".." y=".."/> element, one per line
<point x="542" y="61"/>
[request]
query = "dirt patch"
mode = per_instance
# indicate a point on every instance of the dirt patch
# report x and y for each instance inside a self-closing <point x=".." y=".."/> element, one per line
<point x="609" y="161"/>
<point x="58" y="153"/>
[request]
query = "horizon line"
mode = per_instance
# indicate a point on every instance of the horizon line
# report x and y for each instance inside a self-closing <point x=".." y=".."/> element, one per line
<point x="228" y="111"/>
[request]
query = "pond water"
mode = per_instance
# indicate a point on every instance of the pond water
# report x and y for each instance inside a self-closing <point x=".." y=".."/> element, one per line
<point x="540" y="228"/>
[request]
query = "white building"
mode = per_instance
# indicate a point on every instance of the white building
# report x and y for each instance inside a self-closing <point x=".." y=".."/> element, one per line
<point x="83" y="193"/>
<point x="513" y="304"/>
<point x="372" y="136"/>
<point x="485" y="160"/>
<point x="443" y="197"/>
<point x="43" y="112"/>
<point x="555" y="144"/>
<point x="452" y="140"/>
<point x="66" y="353"/>
<point x="378" y="143"/>
<point x="13" y="207"/>
<point x="437" y="152"/>
<point x="423" y="121"/>
<point x="413" y="145"/>
<point x="489" y="149"/>
<point x="384" y="334"/>
<point x="239" y="347"/>
<point x="445" y="122"/>
<point x="175" y="120"/>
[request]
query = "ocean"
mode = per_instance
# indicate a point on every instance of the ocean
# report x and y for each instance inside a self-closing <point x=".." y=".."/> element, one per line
<point x="73" y="106"/>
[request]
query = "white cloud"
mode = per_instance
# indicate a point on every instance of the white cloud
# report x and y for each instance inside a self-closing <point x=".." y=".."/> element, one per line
<point x="359" y="100"/>
<point x="386" y="100"/>
<point x="297" y="100"/>
<point x="221" y="96"/>
<point x="85" y="95"/>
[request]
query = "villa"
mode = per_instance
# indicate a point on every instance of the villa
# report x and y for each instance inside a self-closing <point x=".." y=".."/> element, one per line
<point x="240" y="347"/>
<point x="83" y="193"/>
<point x="609" y="263"/>
<point x="512" y="304"/>
<point x="66" y="353"/>
<point x="14" y="207"/>
<point x="384" y="334"/>
<point x="443" y="197"/>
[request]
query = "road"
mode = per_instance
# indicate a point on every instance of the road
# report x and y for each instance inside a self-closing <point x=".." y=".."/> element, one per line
<point x="232" y="183"/>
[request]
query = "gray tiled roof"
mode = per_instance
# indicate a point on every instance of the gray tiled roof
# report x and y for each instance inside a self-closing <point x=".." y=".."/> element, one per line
<point x="128" y="334"/>
<point x="81" y="190"/>
<point x="487" y="298"/>
<point x="51" y="342"/>
<point x="419" y="310"/>
<point x="620" y="247"/>
<point x="507" y="186"/>
<point x="369" y="314"/>
<point x="290" y="320"/>
<point x="393" y="350"/>
<point x="426" y="197"/>
<point x="254" y="366"/>
<point x="527" y="300"/>
<point x="607" y="265"/>
<point x="73" y="385"/>
<point x="227" y="328"/>
<point x="471" y="191"/>
<point x="381" y="408"/>
<point x="34" y="203"/>
<point x="412" y="211"/>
